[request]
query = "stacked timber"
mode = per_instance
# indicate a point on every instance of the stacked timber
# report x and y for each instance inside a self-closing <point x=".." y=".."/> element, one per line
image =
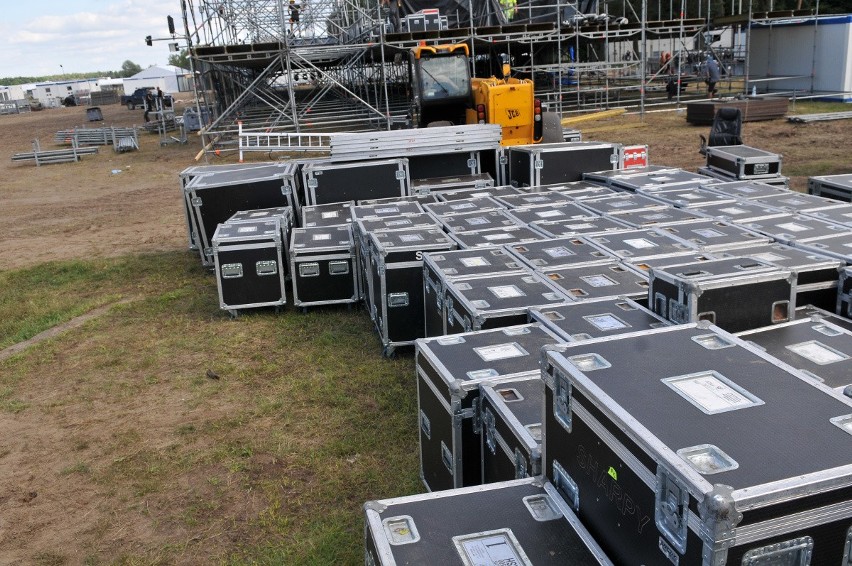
<point x="753" y="109"/>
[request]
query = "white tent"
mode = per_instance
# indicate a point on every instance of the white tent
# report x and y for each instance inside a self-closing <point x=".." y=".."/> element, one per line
<point x="168" y="78"/>
<point x="800" y="54"/>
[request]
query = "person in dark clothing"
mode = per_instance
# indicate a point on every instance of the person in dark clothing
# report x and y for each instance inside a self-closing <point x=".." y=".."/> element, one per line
<point x="149" y="103"/>
<point x="294" y="15"/>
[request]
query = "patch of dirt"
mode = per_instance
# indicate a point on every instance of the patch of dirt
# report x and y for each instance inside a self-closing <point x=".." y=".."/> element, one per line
<point x="86" y="209"/>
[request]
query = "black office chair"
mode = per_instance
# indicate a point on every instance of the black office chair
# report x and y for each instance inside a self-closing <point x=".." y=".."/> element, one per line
<point x="726" y="130"/>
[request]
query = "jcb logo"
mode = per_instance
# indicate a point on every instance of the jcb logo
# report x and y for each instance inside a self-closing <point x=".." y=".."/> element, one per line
<point x="513" y="113"/>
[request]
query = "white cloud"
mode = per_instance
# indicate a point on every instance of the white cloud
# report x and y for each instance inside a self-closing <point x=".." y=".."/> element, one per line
<point x="100" y="37"/>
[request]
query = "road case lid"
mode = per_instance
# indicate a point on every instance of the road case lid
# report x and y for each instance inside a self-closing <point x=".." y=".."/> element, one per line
<point x="596" y="317"/>
<point x="470" y="262"/>
<point x="496" y="236"/>
<point x="395" y="208"/>
<point x="707" y="413"/>
<point x="565" y="210"/>
<point x="269" y="230"/>
<point x="331" y="238"/>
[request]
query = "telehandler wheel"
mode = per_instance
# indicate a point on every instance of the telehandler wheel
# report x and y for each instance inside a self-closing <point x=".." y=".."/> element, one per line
<point x="551" y="128"/>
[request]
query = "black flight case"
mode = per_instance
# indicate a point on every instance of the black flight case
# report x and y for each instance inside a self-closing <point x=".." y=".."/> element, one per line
<point x="396" y="275"/>
<point x="322" y="266"/>
<point x="596" y="318"/>
<point x="737" y="294"/>
<point x="837" y="187"/>
<point x="248" y="260"/>
<point x="327" y="182"/>
<point x="814" y="346"/>
<point x="440" y="267"/>
<point x="216" y="196"/>
<point x="516" y="523"/>
<point x="510" y="413"/>
<point x="284" y="216"/>
<point x="494" y="301"/>
<point x="449" y="372"/>
<point x="686" y="445"/>
<point x="544" y="164"/>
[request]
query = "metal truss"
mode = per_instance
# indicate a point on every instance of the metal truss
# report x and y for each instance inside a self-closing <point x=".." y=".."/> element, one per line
<point x="342" y="68"/>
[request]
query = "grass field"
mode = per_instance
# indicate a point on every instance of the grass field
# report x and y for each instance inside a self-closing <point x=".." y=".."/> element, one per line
<point x="268" y="463"/>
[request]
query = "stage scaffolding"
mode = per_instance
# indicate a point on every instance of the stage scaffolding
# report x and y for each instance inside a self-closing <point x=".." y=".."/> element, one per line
<point x="342" y="66"/>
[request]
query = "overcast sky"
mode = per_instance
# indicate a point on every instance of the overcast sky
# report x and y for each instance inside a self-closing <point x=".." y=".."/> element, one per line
<point x="49" y="37"/>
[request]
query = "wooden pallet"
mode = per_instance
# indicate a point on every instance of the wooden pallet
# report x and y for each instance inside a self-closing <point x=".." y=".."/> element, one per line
<point x="753" y="109"/>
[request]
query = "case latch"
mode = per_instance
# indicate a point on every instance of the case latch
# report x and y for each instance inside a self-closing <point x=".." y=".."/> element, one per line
<point x="562" y="400"/>
<point x="566" y="486"/>
<point x="264" y="268"/>
<point x="671" y="509"/>
<point x="490" y="432"/>
<point x="520" y="464"/>
<point x="795" y="552"/>
<point x="232" y="270"/>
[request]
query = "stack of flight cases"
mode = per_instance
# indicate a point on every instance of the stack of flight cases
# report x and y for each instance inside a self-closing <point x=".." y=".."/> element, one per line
<point x="395" y="279"/>
<point x="216" y="195"/>
<point x="248" y="261"/>
<point x="521" y="522"/>
<point x="494" y="301"/>
<point x="837" y="187"/>
<point x="543" y="164"/>
<point x="450" y="370"/>
<point x="283" y="215"/>
<point x="741" y="162"/>
<point x="323" y="267"/>
<point x="440" y="267"/>
<point x="719" y="454"/>
<point x="738" y="293"/>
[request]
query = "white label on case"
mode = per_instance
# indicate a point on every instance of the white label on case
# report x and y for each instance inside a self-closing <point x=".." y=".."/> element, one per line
<point x="320" y="237"/>
<point x="501" y="352"/>
<point x="657" y="216"/>
<point x="506" y="291"/>
<point x="387" y="210"/>
<point x="579" y="226"/>
<point x="711" y="392"/>
<point x="622" y="204"/>
<point x="477" y="261"/>
<point x="332" y="214"/>
<point x="402" y="222"/>
<point x="746" y="190"/>
<point x="688" y="196"/>
<point x="476" y="220"/>
<point x="410" y="238"/>
<point x="708" y="233"/>
<point x="558" y="251"/>
<point x="793" y="227"/>
<point x="768" y="256"/>
<point x="462" y="206"/>
<point x="246" y="229"/>
<point x="598" y="280"/>
<point x="733" y="210"/>
<point x="640" y="243"/>
<point x="492" y="237"/>
<point x="535" y="199"/>
<point x="491" y="550"/>
<point x="606" y="322"/>
<point x="817" y="352"/>
<point x="550" y="213"/>
<point x="480" y="195"/>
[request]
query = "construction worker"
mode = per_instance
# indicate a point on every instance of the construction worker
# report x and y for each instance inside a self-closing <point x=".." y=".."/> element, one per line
<point x="509" y="7"/>
<point x="294" y="15"/>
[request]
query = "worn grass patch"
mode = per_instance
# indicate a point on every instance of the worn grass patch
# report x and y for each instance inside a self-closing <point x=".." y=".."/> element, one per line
<point x="270" y="462"/>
